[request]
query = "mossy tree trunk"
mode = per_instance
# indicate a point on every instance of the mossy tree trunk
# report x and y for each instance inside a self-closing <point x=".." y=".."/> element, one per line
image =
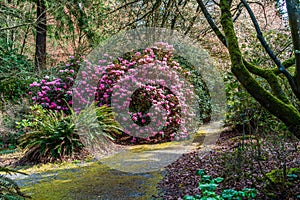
<point x="276" y="101"/>
<point x="283" y="110"/>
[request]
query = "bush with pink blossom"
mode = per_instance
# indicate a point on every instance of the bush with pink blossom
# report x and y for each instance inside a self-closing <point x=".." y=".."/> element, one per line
<point x="54" y="92"/>
<point x="103" y="81"/>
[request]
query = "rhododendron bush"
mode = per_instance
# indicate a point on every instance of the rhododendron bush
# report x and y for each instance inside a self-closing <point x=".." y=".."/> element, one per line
<point x="145" y="88"/>
<point x="55" y="92"/>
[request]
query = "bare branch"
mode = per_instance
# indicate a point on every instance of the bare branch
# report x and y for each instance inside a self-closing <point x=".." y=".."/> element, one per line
<point x="212" y="23"/>
<point x="17" y="26"/>
<point x="193" y="20"/>
<point x="155" y="7"/>
<point x="177" y="8"/>
<point x="216" y="3"/>
<point x="237" y="12"/>
<point x="124" y="6"/>
<point x="167" y="12"/>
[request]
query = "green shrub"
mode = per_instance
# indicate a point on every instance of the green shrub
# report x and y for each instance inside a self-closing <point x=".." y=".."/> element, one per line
<point x="51" y="135"/>
<point x="12" y="113"/>
<point x="280" y="183"/>
<point x="9" y="190"/>
<point x="16" y="72"/>
<point x="11" y="59"/>
<point x="15" y="85"/>
<point x="244" y="110"/>
<point x="208" y="186"/>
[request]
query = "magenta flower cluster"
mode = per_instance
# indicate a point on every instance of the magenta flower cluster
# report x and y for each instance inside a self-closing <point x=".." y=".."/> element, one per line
<point x="55" y="93"/>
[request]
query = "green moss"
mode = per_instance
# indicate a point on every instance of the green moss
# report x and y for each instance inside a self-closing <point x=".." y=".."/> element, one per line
<point x="95" y="181"/>
<point x="40" y="168"/>
<point x="142" y="148"/>
<point x="276" y="176"/>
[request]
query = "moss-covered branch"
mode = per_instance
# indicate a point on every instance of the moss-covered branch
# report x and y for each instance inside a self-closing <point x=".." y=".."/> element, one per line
<point x="293" y="81"/>
<point x="271" y="78"/>
<point x="293" y="8"/>
<point x="287" y="64"/>
<point x="286" y="112"/>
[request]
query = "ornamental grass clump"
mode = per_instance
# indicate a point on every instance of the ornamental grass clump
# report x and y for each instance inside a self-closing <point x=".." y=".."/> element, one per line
<point x="54" y="135"/>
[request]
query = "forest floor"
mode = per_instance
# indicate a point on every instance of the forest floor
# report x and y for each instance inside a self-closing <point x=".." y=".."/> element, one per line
<point x="235" y="158"/>
<point x="240" y="166"/>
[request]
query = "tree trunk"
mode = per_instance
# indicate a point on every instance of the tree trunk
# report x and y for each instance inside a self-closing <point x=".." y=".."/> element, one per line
<point x="41" y="34"/>
<point x="293" y="8"/>
<point x="284" y="111"/>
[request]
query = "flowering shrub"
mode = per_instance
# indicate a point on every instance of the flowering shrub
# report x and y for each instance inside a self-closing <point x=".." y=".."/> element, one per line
<point x="55" y="92"/>
<point x="147" y="88"/>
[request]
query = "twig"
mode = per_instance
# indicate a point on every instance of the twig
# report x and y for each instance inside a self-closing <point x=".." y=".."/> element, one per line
<point x="17" y="26"/>
<point x="123" y="6"/>
<point x="155" y="7"/>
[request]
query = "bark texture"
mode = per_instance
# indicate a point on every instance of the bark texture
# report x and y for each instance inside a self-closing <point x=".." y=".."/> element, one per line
<point x="41" y="35"/>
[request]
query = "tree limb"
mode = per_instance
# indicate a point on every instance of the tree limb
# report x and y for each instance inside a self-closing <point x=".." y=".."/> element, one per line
<point x="269" y="51"/>
<point x="16" y="26"/>
<point x="271" y="78"/>
<point x="123" y="6"/>
<point x="287" y="64"/>
<point x="192" y="21"/>
<point x="155" y="7"/>
<point x="211" y="23"/>
<point x="293" y="8"/>
<point x="285" y="112"/>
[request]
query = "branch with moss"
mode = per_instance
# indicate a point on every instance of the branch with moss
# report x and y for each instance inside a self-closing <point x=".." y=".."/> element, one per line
<point x="285" y="112"/>
<point x="271" y="78"/>
<point x="264" y="43"/>
<point x="268" y="75"/>
<point x="287" y="64"/>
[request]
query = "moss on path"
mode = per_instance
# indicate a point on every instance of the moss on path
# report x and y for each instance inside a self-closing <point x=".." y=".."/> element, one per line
<point x="132" y="173"/>
<point x="95" y="181"/>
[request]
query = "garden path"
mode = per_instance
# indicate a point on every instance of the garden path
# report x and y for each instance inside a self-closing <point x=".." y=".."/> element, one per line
<point x="131" y="173"/>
